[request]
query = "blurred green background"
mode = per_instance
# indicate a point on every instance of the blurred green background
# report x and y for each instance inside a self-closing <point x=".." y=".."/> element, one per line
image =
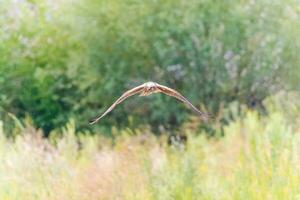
<point x="70" y="59"/>
<point x="63" y="62"/>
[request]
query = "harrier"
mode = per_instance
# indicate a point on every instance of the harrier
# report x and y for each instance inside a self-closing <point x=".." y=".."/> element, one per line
<point x="150" y="88"/>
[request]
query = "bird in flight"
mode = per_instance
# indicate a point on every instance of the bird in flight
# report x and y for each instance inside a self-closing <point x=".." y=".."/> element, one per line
<point x="150" y="88"/>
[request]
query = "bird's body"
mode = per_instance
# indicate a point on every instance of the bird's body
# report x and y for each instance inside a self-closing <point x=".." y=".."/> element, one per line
<point x="149" y="88"/>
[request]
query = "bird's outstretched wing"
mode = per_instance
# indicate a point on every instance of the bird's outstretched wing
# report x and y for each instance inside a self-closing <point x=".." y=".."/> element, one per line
<point x="171" y="92"/>
<point x="124" y="96"/>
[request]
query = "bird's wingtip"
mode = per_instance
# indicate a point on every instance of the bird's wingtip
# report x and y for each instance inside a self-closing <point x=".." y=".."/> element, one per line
<point x="92" y="121"/>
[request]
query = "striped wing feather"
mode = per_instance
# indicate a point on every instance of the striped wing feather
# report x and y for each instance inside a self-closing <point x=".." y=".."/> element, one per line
<point x="173" y="93"/>
<point x="124" y="96"/>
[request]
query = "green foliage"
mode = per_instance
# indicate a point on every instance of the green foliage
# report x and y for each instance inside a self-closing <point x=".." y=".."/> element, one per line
<point x="71" y="59"/>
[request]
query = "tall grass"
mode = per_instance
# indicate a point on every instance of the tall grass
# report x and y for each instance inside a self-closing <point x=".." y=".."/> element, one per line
<point x="258" y="158"/>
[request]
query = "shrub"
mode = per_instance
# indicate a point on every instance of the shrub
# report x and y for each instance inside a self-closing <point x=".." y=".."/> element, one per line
<point x="62" y="59"/>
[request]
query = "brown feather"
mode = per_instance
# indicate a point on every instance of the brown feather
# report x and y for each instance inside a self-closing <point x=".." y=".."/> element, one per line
<point x="144" y="90"/>
<point x="124" y="96"/>
<point x="171" y="92"/>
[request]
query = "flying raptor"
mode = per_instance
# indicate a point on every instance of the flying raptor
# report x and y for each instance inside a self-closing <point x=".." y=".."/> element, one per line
<point x="150" y="88"/>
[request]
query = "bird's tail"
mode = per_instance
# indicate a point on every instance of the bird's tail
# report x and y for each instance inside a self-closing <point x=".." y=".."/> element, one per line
<point x="143" y="94"/>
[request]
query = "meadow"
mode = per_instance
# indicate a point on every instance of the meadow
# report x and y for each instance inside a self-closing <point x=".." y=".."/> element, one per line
<point x="258" y="158"/>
